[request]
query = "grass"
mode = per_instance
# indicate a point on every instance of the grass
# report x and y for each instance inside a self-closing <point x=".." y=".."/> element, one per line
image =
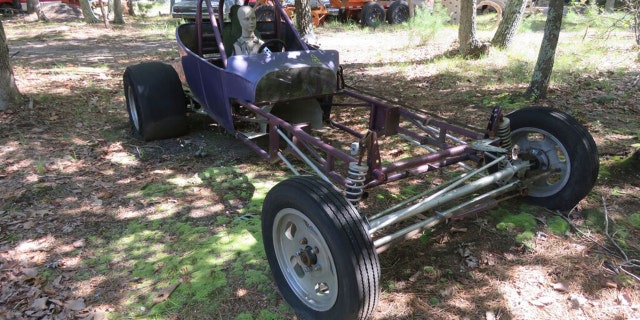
<point x="206" y="263"/>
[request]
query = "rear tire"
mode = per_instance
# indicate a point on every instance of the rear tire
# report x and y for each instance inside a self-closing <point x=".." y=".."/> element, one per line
<point x="372" y="14"/>
<point x="155" y="100"/>
<point x="321" y="256"/>
<point x="563" y="149"/>
<point x="398" y="12"/>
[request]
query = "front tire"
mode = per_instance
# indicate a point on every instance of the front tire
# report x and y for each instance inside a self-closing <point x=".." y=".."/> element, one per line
<point x="156" y="102"/>
<point x="564" y="154"/>
<point x="321" y="256"/>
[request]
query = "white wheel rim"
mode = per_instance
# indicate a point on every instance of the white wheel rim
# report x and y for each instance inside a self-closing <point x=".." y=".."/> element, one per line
<point x="133" y="110"/>
<point x="294" y="237"/>
<point x="554" y="155"/>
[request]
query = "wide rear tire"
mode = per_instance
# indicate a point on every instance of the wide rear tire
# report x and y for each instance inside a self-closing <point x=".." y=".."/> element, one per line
<point x="155" y="100"/>
<point x="564" y="152"/>
<point x="321" y="256"/>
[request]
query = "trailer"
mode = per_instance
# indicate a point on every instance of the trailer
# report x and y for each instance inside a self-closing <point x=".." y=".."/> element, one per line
<point x="290" y="104"/>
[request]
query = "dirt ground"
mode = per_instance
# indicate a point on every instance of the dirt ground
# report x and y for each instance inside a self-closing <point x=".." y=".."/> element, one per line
<point x="59" y="182"/>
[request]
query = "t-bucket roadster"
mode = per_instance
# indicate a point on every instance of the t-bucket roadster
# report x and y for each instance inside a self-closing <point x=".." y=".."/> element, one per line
<point x="291" y="101"/>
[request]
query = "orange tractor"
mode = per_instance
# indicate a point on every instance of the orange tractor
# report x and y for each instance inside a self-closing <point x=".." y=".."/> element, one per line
<point x="372" y="13"/>
<point x="265" y="12"/>
<point x="369" y="13"/>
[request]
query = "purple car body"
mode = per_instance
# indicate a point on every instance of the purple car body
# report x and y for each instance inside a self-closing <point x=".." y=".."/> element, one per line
<point x="216" y="80"/>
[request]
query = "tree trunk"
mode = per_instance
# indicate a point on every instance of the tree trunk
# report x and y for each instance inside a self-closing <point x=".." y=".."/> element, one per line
<point x="105" y="15"/>
<point x="609" y="5"/>
<point x="118" y="10"/>
<point x="510" y="24"/>
<point x="304" y="21"/>
<point x="130" y="7"/>
<point x="633" y="7"/>
<point x="34" y="6"/>
<point x="542" y="72"/>
<point x="87" y="12"/>
<point x="470" y="46"/>
<point x="9" y="94"/>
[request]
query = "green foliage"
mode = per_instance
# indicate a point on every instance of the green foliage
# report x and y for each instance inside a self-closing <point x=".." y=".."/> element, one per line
<point x="508" y="101"/>
<point x="634" y="220"/>
<point x="524" y="237"/>
<point x="595" y="219"/>
<point x="558" y="225"/>
<point x="244" y="316"/>
<point x="524" y="224"/>
<point x="429" y="270"/>
<point x="426" y="23"/>
<point x="625" y="280"/>
<point x="268" y="315"/>
<point x="434" y="301"/>
<point x="522" y="221"/>
<point x="156" y="190"/>
<point x="424" y="238"/>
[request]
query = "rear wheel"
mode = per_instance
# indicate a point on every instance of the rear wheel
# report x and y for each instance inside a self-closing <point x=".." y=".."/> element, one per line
<point x="564" y="154"/>
<point x="398" y="12"/>
<point x="155" y="101"/>
<point x="372" y="14"/>
<point x="321" y="256"/>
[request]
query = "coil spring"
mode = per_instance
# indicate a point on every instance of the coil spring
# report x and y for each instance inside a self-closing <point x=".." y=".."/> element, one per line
<point x="354" y="187"/>
<point x="504" y="134"/>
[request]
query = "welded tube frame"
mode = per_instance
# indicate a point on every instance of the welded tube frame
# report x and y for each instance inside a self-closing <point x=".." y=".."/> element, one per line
<point x="303" y="156"/>
<point x="379" y="174"/>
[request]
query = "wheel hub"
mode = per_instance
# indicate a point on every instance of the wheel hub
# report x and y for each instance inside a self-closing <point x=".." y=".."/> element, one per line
<point x="539" y="159"/>
<point x="307" y="256"/>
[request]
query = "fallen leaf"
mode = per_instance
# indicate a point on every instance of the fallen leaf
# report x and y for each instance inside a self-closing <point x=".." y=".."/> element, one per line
<point x="30" y="272"/>
<point x="75" y="305"/>
<point x="39" y="304"/>
<point x="624" y="299"/>
<point x="78" y="243"/>
<point x="561" y="286"/>
<point x="542" y="301"/>
<point x="165" y="293"/>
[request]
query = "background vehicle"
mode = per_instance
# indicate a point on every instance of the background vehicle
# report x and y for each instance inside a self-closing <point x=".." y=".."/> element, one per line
<point x="290" y="100"/>
<point x="265" y="10"/>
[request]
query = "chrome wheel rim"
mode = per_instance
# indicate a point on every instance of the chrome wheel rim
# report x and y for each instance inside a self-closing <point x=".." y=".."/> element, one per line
<point x="305" y="259"/>
<point x="133" y="110"/>
<point x="553" y="159"/>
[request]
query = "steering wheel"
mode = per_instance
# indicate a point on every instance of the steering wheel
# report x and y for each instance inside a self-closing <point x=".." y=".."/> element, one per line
<point x="280" y="45"/>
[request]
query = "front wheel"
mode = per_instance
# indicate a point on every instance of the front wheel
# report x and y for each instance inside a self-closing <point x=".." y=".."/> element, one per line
<point x="321" y="256"/>
<point x="564" y="155"/>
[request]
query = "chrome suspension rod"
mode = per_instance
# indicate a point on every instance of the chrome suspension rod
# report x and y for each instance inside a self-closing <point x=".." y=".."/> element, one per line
<point x="444" y="195"/>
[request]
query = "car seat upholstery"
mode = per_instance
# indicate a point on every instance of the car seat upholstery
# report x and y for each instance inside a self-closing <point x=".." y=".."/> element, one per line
<point x="233" y="32"/>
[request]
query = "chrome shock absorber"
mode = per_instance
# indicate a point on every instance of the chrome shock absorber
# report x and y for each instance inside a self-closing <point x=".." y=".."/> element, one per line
<point x="354" y="187"/>
<point x="504" y="134"/>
